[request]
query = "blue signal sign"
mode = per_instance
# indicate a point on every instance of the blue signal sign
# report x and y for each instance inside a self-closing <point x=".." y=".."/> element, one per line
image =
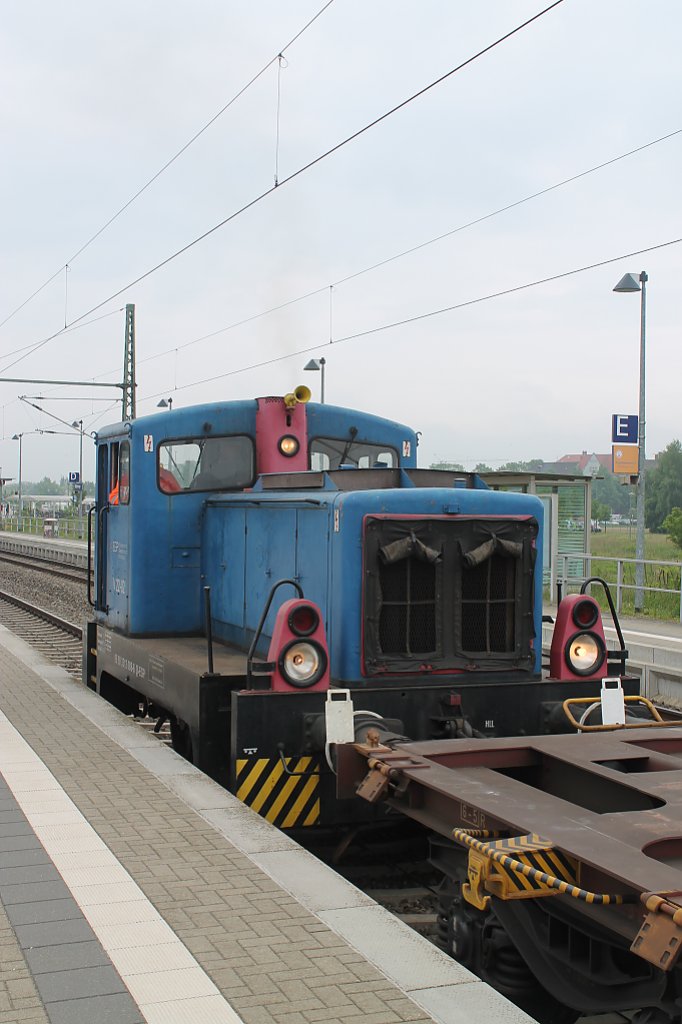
<point x="74" y="478"/>
<point x="624" y="429"/>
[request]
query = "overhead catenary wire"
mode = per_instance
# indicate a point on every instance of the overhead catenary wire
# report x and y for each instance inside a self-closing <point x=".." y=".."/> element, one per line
<point x="168" y="163"/>
<point x="36" y="346"/>
<point x="328" y="288"/>
<point x="418" y="317"/>
<point x="416" y="248"/>
<point x="320" y="158"/>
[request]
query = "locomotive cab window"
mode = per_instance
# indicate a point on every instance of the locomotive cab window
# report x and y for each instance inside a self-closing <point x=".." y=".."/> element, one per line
<point x="206" y="464"/>
<point x="328" y="453"/>
<point x="445" y="593"/>
<point x="119" y="475"/>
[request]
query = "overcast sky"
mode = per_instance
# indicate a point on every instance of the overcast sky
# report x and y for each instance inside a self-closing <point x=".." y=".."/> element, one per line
<point x="96" y="100"/>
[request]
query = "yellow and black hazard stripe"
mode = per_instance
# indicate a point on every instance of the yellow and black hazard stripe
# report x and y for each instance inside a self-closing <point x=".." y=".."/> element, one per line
<point x="527" y="866"/>
<point x="283" y="791"/>
<point x="542" y="860"/>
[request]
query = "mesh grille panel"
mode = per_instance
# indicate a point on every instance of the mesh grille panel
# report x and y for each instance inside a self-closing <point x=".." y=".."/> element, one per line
<point x="394" y="581"/>
<point x="488" y="606"/>
<point x="474" y="627"/>
<point x="407" y="623"/>
<point x="427" y="608"/>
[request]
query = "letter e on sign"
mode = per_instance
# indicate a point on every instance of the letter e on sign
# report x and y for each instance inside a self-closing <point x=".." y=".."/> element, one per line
<point x="149" y="442"/>
<point x="624" y="429"/>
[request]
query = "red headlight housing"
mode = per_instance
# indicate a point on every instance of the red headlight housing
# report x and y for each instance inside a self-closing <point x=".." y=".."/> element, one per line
<point x="298" y="648"/>
<point x="578" y="645"/>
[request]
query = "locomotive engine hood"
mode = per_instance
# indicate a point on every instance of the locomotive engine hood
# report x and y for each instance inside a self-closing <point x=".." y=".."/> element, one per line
<point x="417" y="563"/>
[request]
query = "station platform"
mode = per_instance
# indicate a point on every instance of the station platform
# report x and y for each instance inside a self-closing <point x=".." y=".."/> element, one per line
<point x="70" y="552"/>
<point x="134" y="889"/>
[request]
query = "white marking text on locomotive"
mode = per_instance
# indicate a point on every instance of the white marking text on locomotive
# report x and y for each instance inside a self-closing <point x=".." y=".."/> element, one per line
<point x="130" y="666"/>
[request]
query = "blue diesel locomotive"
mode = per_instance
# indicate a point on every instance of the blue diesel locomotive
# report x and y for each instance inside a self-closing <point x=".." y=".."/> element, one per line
<point x="274" y="577"/>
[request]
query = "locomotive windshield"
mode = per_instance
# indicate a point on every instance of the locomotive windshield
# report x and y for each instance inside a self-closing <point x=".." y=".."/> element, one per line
<point x="328" y="453"/>
<point x="206" y="464"/>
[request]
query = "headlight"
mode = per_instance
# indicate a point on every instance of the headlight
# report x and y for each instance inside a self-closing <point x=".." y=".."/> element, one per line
<point x="585" y="653"/>
<point x="288" y="445"/>
<point x="303" y="664"/>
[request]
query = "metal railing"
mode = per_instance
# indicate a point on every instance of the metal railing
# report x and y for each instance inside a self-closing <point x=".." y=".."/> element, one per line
<point x="66" y="529"/>
<point x="660" y="578"/>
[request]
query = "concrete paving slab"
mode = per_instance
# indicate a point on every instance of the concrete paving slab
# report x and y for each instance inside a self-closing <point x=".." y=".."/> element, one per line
<point x="33" y="892"/>
<point x="44" y="911"/>
<point x="245" y="831"/>
<point x="54" y="933"/>
<point x="111" y="1009"/>
<point x="67" y="957"/>
<point x="466" y="1003"/>
<point x="407" y="958"/>
<point x="86" y="981"/>
<point x="311" y="882"/>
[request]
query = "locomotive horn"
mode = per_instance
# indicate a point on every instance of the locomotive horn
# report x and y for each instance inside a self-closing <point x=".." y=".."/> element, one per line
<point x="301" y="395"/>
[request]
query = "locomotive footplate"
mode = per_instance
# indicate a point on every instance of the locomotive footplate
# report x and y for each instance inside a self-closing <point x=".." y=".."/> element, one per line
<point x="595" y="820"/>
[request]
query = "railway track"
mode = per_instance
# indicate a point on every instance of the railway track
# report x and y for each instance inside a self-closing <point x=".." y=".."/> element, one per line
<point x="45" y="565"/>
<point x="53" y="637"/>
<point x="61" y="642"/>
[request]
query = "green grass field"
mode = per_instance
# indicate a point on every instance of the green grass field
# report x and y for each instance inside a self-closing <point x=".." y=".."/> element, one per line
<point x="619" y="542"/>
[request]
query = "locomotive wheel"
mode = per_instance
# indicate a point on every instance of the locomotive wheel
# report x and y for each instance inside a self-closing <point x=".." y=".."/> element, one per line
<point x="181" y="738"/>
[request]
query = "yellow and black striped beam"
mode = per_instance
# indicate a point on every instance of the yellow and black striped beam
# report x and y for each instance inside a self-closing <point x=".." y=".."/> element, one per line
<point x="524" y="866"/>
<point x="283" y="791"/>
<point x="532" y="862"/>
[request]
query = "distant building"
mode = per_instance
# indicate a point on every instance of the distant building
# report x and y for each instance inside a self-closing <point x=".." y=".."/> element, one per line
<point x="587" y="464"/>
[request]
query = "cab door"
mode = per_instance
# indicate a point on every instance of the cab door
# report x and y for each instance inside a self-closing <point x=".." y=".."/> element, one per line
<point x="101" y="513"/>
<point x="113" y="521"/>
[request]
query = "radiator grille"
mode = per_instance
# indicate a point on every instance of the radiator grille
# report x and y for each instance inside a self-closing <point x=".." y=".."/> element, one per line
<point x="407" y="622"/>
<point x="448" y="593"/>
<point x="489" y="606"/>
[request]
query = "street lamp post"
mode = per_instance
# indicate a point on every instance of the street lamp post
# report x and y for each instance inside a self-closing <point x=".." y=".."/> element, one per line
<point x="78" y="425"/>
<point x="318" y="364"/>
<point x="18" y="437"/>
<point x="629" y="283"/>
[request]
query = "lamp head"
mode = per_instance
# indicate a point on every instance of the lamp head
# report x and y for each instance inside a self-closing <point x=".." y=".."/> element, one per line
<point x="627" y="283"/>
